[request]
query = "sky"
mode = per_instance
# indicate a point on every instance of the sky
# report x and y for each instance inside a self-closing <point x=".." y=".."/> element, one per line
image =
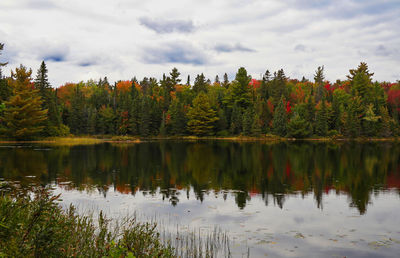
<point x="82" y="40"/>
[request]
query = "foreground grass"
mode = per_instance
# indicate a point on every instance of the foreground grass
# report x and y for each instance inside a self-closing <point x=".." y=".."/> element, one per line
<point x="32" y="224"/>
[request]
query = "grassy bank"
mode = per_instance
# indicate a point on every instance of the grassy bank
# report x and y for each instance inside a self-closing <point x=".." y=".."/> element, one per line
<point x="34" y="225"/>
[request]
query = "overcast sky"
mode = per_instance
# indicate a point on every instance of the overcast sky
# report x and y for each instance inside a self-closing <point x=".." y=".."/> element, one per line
<point x="88" y="39"/>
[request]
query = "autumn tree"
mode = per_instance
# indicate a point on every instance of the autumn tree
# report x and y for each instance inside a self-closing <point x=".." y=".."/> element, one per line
<point x="23" y="115"/>
<point x="201" y="116"/>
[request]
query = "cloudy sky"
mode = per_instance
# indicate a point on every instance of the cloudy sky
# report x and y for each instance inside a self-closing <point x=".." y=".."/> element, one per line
<point x="81" y="40"/>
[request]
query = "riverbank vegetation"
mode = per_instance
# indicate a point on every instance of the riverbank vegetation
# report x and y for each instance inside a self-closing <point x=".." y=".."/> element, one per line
<point x="36" y="226"/>
<point x="246" y="106"/>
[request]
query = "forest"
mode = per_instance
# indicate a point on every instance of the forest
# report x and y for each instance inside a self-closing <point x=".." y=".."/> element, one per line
<point x="274" y="105"/>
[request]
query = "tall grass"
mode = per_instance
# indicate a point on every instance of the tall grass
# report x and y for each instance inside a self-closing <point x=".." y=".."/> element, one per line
<point x="32" y="224"/>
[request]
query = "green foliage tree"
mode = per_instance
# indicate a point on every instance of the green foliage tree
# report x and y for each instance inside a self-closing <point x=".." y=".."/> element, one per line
<point x="23" y="115"/>
<point x="5" y="90"/>
<point x="298" y="127"/>
<point x="53" y="123"/>
<point x="241" y="94"/>
<point x="319" y="78"/>
<point x="175" y="76"/>
<point x="321" y="120"/>
<point x="225" y="83"/>
<point x="280" y="119"/>
<point x="200" y="84"/>
<point x="177" y="118"/>
<point x="201" y="116"/>
<point x="277" y="87"/>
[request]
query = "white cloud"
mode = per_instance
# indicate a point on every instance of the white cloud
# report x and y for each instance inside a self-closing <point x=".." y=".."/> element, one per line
<point x="88" y="39"/>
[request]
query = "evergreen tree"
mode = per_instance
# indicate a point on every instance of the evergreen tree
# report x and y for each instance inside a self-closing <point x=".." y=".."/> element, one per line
<point x="321" y="127"/>
<point x="177" y="121"/>
<point x="5" y="91"/>
<point x="267" y="76"/>
<point x="145" y="118"/>
<point x="175" y="76"/>
<point x="188" y="81"/>
<point x="200" y="84"/>
<point x="76" y="120"/>
<point x="280" y="119"/>
<point x="225" y="83"/>
<point x="201" y="116"/>
<point x="240" y="89"/>
<point x="319" y="78"/>
<point x="23" y="115"/>
<point x="361" y="83"/>
<point x="236" y="120"/>
<point x="277" y="88"/>
<point x="370" y="121"/>
<point x="298" y="127"/>
<point x="248" y="117"/>
<point x="53" y="122"/>
<point x="216" y="81"/>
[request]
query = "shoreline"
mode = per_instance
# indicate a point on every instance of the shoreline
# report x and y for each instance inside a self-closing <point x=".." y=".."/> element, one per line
<point x="88" y="140"/>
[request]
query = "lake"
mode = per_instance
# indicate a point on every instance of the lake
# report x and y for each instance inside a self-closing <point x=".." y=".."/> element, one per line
<point x="296" y="199"/>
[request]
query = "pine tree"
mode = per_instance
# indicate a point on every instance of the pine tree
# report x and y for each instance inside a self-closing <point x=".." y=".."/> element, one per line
<point x="277" y="87"/>
<point x="144" y="125"/>
<point x="240" y="89"/>
<point x="280" y="119"/>
<point x="5" y="91"/>
<point x="201" y="116"/>
<point x="321" y="127"/>
<point x="319" y="82"/>
<point x="23" y="115"/>
<point x="188" y="81"/>
<point x="177" y="121"/>
<point x="200" y="84"/>
<point x="248" y="117"/>
<point x="175" y="76"/>
<point x="361" y="83"/>
<point x="52" y="126"/>
<point x="225" y="83"/>
<point x="216" y="81"/>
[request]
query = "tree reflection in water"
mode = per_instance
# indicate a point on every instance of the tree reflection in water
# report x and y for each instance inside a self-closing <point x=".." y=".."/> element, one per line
<point x="170" y="168"/>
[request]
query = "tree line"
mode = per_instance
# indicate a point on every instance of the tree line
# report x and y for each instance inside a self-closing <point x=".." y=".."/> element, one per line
<point x="275" y="104"/>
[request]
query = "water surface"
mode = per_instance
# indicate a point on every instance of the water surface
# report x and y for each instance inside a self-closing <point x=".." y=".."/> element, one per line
<point x="287" y="199"/>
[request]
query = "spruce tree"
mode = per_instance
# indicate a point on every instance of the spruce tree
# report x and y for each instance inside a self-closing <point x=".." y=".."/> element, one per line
<point x="53" y="123"/>
<point x="23" y="115"/>
<point x="279" y="122"/>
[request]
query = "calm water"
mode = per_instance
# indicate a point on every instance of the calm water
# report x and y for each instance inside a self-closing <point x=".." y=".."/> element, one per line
<point x="287" y="199"/>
